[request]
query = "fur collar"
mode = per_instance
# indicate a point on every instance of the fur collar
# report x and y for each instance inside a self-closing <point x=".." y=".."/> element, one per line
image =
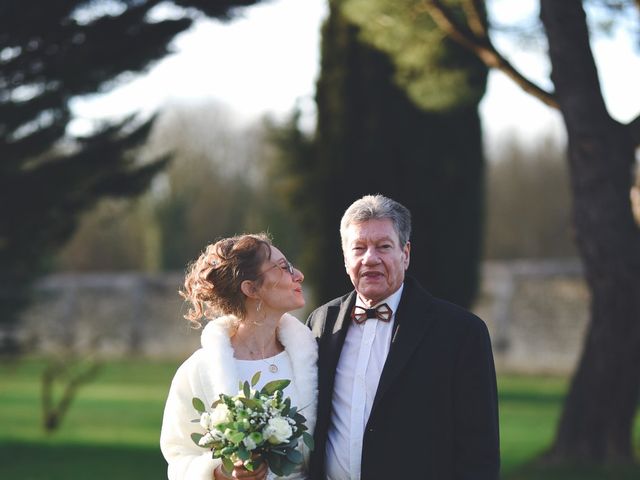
<point x="220" y="374"/>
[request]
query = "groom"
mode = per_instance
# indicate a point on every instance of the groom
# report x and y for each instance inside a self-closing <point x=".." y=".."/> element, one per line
<point x="406" y="381"/>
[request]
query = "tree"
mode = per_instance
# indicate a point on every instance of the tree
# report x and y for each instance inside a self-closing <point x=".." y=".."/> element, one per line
<point x="597" y="419"/>
<point x="372" y="137"/>
<point x="51" y="52"/>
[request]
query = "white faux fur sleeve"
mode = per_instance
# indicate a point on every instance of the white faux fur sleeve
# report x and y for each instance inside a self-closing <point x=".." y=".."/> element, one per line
<point x="186" y="460"/>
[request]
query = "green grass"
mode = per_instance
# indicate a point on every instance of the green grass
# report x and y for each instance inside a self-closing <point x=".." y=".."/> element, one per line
<point x="112" y="428"/>
<point x="529" y="409"/>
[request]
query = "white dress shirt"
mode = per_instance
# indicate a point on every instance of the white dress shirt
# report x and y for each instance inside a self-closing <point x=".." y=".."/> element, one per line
<point x="363" y="355"/>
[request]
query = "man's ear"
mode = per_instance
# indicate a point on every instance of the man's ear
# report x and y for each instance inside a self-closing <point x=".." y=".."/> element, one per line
<point x="249" y="289"/>
<point x="407" y="253"/>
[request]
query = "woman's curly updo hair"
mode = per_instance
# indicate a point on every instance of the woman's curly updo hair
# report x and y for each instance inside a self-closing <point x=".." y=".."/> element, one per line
<point x="212" y="283"/>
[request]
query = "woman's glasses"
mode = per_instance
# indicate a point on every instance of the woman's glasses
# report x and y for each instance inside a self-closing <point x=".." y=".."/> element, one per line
<point x="284" y="265"/>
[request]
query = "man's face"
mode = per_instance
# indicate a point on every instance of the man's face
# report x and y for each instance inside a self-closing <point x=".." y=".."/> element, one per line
<point x="374" y="259"/>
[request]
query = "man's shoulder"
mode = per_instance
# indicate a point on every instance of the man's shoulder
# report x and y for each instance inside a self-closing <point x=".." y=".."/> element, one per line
<point x="451" y="313"/>
<point x="320" y="313"/>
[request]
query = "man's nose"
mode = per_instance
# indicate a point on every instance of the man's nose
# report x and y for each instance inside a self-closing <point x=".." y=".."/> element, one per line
<point x="370" y="257"/>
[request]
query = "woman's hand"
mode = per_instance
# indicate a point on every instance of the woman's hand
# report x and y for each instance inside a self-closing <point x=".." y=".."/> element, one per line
<point x="239" y="471"/>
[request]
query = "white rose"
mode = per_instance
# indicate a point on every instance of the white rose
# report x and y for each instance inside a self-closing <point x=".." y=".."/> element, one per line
<point x="220" y="414"/>
<point x="277" y="430"/>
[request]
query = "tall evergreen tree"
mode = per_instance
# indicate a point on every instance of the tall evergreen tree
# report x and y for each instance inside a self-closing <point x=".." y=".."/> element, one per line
<point x="51" y="52"/>
<point x="374" y="137"/>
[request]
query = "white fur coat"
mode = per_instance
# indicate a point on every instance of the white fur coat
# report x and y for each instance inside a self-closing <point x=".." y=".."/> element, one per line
<point x="212" y="370"/>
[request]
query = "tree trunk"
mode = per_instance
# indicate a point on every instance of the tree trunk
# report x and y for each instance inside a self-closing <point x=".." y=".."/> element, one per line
<point x="596" y="424"/>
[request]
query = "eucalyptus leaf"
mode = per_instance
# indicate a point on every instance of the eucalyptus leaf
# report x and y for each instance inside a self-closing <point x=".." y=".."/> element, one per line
<point x="198" y="405"/>
<point x="227" y="465"/>
<point x="275" y="385"/>
<point x="308" y="440"/>
<point x="236" y="437"/>
<point x="295" y="456"/>
<point x="196" y="438"/>
<point x="286" y="407"/>
<point x="293" y="443"/>
<point x="275" y="463"/>
<point x="287" y="467"/>
<point x="251" y="403"/>
<point x="256" y="378"/>
<point x="243" y="453"/>
<point x="246" y="389"/>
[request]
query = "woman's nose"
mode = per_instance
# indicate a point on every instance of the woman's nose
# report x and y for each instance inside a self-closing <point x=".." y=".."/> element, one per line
<point x="298" y="276"/>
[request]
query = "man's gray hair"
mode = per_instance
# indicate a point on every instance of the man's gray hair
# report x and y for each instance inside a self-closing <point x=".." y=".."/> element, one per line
<point x="377" y="207"/>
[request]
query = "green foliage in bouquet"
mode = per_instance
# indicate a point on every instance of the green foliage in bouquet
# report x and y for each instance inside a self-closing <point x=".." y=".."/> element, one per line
<point x="254" y="426"/>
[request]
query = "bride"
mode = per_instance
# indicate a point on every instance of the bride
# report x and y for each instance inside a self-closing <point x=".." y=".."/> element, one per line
<point x="244" y="287"/>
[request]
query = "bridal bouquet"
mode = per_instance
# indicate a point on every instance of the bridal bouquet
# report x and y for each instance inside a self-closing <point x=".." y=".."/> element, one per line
<point x="254" y="426"/>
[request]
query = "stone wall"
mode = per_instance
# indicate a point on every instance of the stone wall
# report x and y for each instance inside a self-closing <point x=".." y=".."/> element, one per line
<point x="536" y="313"/>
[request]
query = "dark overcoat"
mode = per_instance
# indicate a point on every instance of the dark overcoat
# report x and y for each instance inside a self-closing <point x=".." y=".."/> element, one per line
<point x="435" y="413"/>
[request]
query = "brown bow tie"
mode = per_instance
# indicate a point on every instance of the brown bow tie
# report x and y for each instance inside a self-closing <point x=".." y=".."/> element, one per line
<point x="381" y="312"/>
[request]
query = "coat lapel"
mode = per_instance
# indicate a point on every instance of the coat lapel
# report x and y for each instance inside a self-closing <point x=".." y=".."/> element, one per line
<point x="337" y="322"/>
<point x="413" y="322"/>
<point x="332" y="332"/>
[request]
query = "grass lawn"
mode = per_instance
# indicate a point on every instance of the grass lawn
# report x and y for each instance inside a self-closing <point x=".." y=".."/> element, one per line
<point x="112" y="428"/>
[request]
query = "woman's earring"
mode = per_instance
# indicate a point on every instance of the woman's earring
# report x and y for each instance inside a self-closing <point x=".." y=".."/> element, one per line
<point x="259" y="306"/>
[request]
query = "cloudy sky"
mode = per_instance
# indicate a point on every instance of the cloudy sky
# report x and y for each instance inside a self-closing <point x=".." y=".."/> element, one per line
<point x="267" y="59"/>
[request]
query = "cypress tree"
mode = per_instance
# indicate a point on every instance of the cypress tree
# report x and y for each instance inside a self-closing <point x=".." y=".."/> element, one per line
<point x="418" y="142"/>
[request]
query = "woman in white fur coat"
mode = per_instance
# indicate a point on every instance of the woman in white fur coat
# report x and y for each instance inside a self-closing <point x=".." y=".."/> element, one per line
<point x="245" y="287"/>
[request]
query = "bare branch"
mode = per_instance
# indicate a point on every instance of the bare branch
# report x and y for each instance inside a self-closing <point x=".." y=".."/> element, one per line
<point x="484" y="49"/>
<point x="474" y="9"/>
<point x="53" y="414"/>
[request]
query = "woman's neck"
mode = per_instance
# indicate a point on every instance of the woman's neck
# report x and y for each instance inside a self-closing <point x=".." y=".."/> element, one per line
<point x="256" y="337"/>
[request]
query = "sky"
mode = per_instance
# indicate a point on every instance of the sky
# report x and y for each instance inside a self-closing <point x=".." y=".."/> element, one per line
<point x="241" y="71"/>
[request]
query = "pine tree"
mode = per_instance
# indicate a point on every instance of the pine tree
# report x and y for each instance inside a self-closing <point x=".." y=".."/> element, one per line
<point x="51" y="52"/>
